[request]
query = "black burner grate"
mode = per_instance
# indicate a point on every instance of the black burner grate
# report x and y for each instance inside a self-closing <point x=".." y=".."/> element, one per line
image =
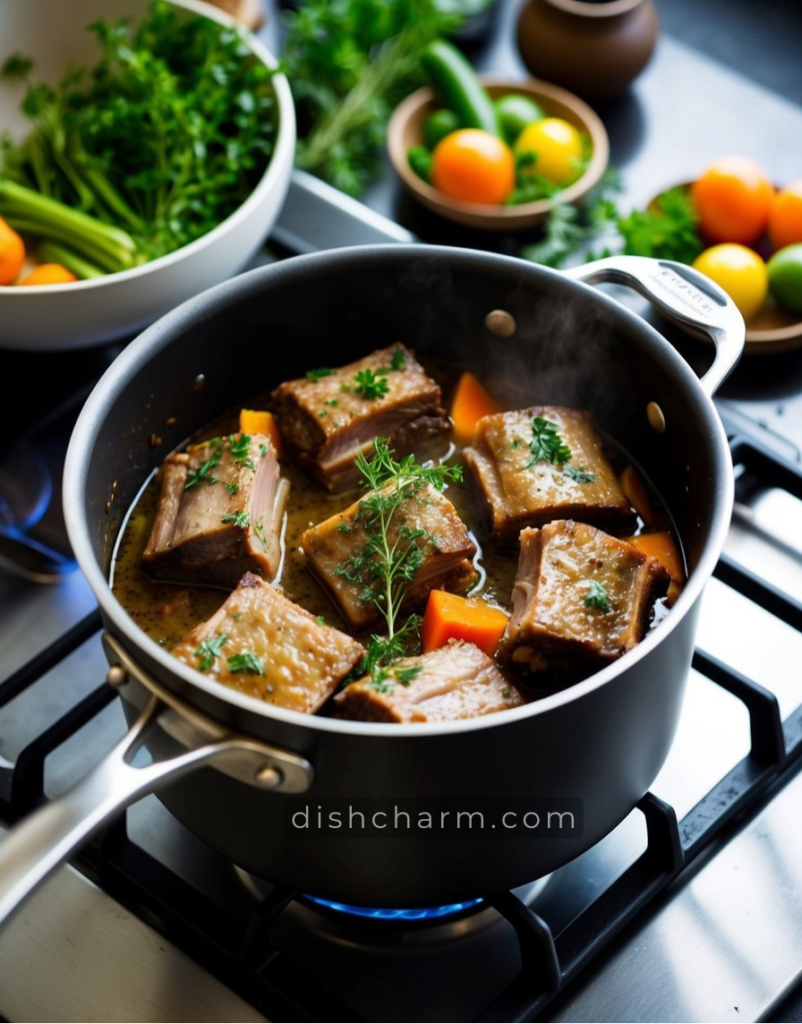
<point x="236" y="948"/>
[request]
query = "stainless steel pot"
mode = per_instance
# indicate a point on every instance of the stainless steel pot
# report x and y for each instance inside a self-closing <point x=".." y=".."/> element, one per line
<point x="235" y="770"/>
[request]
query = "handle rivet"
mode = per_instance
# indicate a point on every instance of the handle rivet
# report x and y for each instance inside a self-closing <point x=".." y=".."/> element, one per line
<point x="268" y="777"/>
<point x="500" y="323"/>
<point x="116" y="675"/>
<point x="657" y="420"/>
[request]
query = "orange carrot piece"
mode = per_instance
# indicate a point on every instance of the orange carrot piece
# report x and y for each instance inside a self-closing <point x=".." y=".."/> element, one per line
<point x="471" y="403"/>
<point x="258" y="421"/>
<point x="662" y="547"/>
<point x="449" y="616"/>
<point x="12" y="253"/>
<point x="637" y="495"/>
<point x="49" y="273"/>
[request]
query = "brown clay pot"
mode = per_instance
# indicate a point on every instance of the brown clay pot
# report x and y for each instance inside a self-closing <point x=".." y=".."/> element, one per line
<point x="595" y="48"/>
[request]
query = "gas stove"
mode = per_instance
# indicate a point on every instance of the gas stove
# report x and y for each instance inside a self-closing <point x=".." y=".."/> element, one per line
<point x="689" y="910"/>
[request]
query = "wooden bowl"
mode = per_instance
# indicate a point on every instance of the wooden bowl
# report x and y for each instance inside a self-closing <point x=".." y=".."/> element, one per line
<point x="406" y="130"/>
<point x="772" y="329"/>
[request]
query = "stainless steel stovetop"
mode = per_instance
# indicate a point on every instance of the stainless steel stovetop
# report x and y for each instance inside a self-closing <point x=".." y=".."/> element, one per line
<point x="723" y="943"/>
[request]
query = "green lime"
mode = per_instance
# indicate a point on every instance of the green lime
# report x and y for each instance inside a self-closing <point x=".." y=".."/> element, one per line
<point x="785" y="277"/>
<point x="438" y="125"/>
<point x="515" y="112"/>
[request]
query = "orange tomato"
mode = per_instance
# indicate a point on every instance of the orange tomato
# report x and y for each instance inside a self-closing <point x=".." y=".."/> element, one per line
<point x="785" y="219"/>
<point x="474" y="166"/>
<point x="733" y="198"/>
<point x="12" y="253"/>
<point x="49" y="273"/>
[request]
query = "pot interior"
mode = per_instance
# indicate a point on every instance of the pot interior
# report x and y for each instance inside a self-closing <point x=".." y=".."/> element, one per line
<point x="571" y="346"/>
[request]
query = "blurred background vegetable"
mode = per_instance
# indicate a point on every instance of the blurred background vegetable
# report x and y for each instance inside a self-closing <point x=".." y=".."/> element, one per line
<point x="349" y="63"/>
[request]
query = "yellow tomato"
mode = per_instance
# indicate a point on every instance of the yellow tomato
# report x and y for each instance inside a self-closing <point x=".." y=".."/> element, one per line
<point x="740" y="272"/>
<point x="557" y="146"/>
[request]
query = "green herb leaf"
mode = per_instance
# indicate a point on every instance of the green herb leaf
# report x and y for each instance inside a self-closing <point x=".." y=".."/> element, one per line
<point x="579" y="474"/>
<point x="241" y="519"/>
<point x="597" y="597"/>
<point x="406" y="675"/>
<point x="398" y="359"/>
<point x="240" y="447"/>
<point x="209" y="650"/>
<point x="547" y="445"/>
<point x="232" y="487"/>
<point x="319" y="373"/>
<point x="320" y="620"/>
<point x="370" y="383"/>
<point x="204" y="471"/>
<point x="246" y="661"/>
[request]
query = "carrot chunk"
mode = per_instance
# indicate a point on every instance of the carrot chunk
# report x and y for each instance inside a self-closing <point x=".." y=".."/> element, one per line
<point x="257" y="421"/>
<point x="471" y="403"/>
<point x="449" y="616"/>
<point x="637" y="495"/>
<point x="662" y="547"/>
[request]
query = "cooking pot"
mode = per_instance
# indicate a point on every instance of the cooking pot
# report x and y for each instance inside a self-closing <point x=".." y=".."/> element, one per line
<point x="237" y="771"/>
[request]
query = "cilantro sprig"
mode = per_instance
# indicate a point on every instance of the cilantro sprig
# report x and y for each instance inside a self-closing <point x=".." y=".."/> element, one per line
<point x="246" y="661"/>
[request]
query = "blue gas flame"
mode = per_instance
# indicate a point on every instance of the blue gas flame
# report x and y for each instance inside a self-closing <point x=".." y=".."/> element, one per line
<point x="395" y="914"/>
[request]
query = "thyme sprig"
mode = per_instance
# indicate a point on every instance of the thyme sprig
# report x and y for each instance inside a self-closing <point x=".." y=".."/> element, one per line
<point x="385" y="566"/>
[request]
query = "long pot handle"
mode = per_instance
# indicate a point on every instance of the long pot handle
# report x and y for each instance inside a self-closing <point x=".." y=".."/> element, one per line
<point x="35" y="847"/>
<point x="685" y="297"/>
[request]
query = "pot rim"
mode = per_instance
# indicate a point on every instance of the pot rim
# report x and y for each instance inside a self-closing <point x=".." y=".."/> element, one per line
<point x="225" y="295"/>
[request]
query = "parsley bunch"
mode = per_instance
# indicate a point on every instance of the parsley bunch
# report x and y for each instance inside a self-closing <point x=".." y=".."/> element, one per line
<point x="164" y="137"/>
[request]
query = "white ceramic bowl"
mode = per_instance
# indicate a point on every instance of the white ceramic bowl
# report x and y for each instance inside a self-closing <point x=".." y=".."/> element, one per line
<point x="87" y="313"/>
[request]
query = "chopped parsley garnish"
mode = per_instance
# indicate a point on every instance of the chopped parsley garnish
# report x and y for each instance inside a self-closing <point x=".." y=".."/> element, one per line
<point x="506" y="693"/>
<point x="344" y="527"/>
<point x="263" y="450"/>
<point x="406" y="675"/>
<point x="240" y="447"/>
<point x="321" y="371"/>
<point x="322" y="412"/>
<point x="597" y="597"/>
<point x="397" y="359"/>
<point x="246" y="661"/>
<point x="204" y="470"/>
<point x="209" y="650"/>
<point x="241" y="519"/>
<point x="579" y="474"/>
<point x="232" y="487"/>
<point x="331" y="401"/>
<point x="259" y="530"/>
<point x="370" y="383"/>
<point x="546" y="444"/>
<point x="320" y="620"/>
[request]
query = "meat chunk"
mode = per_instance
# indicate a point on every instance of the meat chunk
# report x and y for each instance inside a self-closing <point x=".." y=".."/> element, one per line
<point x="340" y="554"/>
<point x="327" y="419"/>
<point x="543" y="463"/>
<point x="220" y="513"/>
<point x="453" y="682"/>
<point x="581" y="598"/>
<point x="262" y="644"/>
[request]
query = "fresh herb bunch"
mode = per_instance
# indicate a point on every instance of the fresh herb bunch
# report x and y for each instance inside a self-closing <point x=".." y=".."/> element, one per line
<point x="384" y="567"/>
<point x="165" y="136"/>
<point x="349" y="63"/>
<point x="669" y="230"/>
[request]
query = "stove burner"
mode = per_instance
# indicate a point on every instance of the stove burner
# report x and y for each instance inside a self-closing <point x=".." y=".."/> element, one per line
<point x="387" y="914"/>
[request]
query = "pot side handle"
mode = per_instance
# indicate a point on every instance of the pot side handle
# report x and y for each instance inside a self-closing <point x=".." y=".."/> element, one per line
<point x="685" y="297"/>
<point x="35" y="847"/>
